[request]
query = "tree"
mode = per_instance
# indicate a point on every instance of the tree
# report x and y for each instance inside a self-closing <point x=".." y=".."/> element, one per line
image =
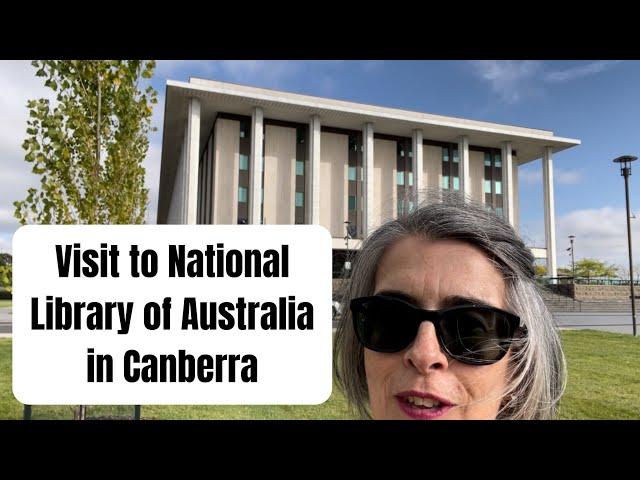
<point x="590" y="267"/>
<point x="6" y="271"/>
<point x="88" y="148"/>
<point x="623" y="271"/>
<point x="541" y="270"/>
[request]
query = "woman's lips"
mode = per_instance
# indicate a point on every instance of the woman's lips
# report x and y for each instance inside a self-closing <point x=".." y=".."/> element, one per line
<point x="423" y="406"/>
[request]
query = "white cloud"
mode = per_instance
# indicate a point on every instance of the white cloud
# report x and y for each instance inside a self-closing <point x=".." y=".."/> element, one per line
<point x="560" y="176"/>
<point x="508" y="79"/>
<point x="514" y="81"/>
<point x="600" y="233"/>
<point x="579" y="71"/>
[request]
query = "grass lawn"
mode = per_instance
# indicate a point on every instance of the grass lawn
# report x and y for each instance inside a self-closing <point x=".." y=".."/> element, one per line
<point x="603" y="384"/>
<point x="5" y="303"/>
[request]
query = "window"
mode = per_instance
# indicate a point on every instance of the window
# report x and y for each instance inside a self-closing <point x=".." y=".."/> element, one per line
<point x="487" y="159"/>
<point x="410" y="175"/>
<point x="242" y="195"/>
<point x="400" y="206"/>
<point x="352" y="173"/>
<point x="499" y="211"/>
<point x="299" y="168"/>
<point x="498" y="187"/>
<point x="498" y="159"/>
<point x="445" y="182"/>
<point x="400" y="178"/>
<point x="299" y="199"/>
<point x="445" y="154"/>
<point x="244" y="162"/>
<point x="456" y="157"/>
<point x="352" y="202"/>
<point x="456" y="183"/>
<point x="487" y="186"/>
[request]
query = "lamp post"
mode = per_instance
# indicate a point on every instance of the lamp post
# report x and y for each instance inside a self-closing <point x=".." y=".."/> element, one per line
<point x="625" y="171"/>
<point x="573" y="259"/>
<point x="347" y="262"/>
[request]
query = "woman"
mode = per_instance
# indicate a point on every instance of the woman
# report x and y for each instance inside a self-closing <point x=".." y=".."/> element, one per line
<point x="442" y="320"/>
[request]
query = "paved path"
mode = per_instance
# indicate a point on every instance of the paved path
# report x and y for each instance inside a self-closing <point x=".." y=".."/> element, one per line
<point x="5" y="320"/>
<point x="605" y="321"/>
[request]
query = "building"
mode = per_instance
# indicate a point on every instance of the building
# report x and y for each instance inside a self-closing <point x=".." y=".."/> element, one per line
<point x="238" y="154"/>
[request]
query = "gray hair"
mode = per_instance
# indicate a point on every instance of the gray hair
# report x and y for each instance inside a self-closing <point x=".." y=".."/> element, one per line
<point x="537" y="368"/>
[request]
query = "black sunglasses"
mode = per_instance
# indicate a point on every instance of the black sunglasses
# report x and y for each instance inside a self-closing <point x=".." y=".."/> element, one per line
<point x="472" y="334"/>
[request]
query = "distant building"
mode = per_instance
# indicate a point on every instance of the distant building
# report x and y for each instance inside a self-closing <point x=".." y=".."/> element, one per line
<point x="238" y="154"/>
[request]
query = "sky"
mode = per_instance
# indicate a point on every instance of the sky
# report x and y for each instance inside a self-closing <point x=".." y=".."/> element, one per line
<point x="596" y="102"/>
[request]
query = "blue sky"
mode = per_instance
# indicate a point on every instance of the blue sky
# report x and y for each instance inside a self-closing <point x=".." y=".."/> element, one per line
<point x="594" y="101"/>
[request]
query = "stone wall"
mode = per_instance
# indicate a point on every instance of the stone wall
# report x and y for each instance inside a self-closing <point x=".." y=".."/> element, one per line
<point x="601" y="292"/>
<point x="593" y="292"/>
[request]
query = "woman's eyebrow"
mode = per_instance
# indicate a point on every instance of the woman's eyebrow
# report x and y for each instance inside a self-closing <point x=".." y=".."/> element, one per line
<point x="460" y="300"/>
<point x="399" y="294"/>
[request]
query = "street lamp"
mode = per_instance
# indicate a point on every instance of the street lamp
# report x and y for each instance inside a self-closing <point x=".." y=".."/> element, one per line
<point x="347" y="262"/>
<point x="625" y="171"/>
<point x="573" y="260"/>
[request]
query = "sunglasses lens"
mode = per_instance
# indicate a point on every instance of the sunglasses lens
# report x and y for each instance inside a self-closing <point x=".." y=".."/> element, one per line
<point x="383" y="325"/>
<point x="477" y="335"/>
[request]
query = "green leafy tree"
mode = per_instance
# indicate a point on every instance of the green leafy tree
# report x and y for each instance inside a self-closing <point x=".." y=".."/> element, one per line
<point x="88" y="147"/>
<point x="6" y="271"/>
<point x="590" y="267"/>
<point x="541" y="270"/>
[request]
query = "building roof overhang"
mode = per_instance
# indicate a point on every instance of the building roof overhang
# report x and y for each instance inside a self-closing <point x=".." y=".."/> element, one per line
<point x="226" y="97"/>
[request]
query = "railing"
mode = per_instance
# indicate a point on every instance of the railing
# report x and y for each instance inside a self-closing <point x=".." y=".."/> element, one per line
<point x="584" y="281"/>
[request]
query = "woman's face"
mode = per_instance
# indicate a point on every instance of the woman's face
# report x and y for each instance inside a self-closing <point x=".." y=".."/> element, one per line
<point x="435" y="274"/>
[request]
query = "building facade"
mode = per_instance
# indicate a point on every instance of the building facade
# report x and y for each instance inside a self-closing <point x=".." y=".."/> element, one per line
<point x="233" y="154"/>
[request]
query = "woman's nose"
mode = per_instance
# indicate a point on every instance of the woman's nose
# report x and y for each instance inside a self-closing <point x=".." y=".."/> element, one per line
<point x="425" y="354"/>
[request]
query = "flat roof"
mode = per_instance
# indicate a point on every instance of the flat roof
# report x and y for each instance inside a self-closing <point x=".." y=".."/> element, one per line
<point x="227" y="97"/>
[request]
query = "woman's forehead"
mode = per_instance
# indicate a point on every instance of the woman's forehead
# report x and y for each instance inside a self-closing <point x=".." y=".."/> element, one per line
<point x="432" y="270"/>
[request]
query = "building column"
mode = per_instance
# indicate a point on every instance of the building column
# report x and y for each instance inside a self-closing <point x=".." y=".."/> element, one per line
<point x="313" y="175"/>
<point x="183" y="167"/>
<point x="416" y="164"/>
<point x="192" y="161"/>
<point x="549" y="211"/>
<point x="367" y="160"/>
<point x="255" y="166"/>
<point x="507" y="183"/>
<point x="463" y="153"/>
